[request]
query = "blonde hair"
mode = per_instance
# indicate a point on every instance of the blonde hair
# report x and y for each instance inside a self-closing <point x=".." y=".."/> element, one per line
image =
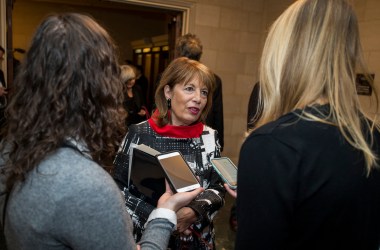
<point x="179" y="71"/>
<point x="311" y="56"/>
<point x="127" y="73"/>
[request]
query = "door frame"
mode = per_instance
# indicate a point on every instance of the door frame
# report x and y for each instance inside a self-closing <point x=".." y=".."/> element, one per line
<point x="187" y="7"/>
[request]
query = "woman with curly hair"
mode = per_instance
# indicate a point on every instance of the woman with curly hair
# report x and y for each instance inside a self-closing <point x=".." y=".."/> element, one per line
<point x="65" y="121"/>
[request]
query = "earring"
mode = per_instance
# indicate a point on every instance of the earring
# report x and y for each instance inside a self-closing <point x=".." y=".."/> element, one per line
<point x="169" y="102"/>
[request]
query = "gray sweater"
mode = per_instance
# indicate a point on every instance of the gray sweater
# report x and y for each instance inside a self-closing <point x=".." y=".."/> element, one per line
<point x="70" y="202"/>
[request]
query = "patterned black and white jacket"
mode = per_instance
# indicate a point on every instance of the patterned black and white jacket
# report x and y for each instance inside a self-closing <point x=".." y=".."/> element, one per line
<point x="197" y="152"/>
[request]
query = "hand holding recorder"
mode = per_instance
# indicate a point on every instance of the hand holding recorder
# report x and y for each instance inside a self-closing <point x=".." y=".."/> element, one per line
<point x="226" y="170"/>
<point x="233" y="193"/>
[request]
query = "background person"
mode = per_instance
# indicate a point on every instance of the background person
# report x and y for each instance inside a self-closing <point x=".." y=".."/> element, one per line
<point x="2" y="79"/>
<point x="309" y="174"/>
<point x="183" y="98"/>
<point x="3" y="90"/>
<point x="133" y="99"/>
<point x="143" y="82"/>
<point x="65" y="120"/>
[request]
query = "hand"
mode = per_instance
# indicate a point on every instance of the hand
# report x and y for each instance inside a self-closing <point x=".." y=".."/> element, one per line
<point x="185" y="218"/>
<point x="3" y="91"/>
<point x="141" y="112"/>
<point x="233" y="193"/>
<point x="176" y="201"/>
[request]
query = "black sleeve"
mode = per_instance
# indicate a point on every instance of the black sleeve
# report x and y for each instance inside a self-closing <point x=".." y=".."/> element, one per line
<point x="211" y="200"/>
<point x="215" y="118"/>
<point x="138" y="97"/>
<point x="121" y="163"/>
<point x="2" y="79"/>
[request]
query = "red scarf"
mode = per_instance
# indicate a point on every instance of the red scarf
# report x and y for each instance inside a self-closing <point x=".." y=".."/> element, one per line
<point x="192" y="131"/>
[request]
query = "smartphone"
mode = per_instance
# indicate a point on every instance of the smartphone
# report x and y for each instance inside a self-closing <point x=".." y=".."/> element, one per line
<point x="178" y="172"/>
<point x="226" y="170"/>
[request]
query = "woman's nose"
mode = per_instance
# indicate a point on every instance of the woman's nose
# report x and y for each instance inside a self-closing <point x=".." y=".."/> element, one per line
<point x="197" y="96"/>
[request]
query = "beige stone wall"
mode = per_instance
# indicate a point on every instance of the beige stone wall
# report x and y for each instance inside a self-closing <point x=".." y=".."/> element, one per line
<point x="233" y="33"/>
<point x="368" y="12"/>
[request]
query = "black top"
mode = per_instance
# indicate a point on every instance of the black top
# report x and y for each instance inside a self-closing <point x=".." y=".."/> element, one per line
<point x="2" y="79"/>
<point x="302" y="186"/>
<point x="133" y="106"/>
<point x="214" y="118"/>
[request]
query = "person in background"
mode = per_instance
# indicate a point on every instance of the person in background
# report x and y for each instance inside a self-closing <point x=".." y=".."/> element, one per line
<point x="2" y="79"/>
<point x="16" y="62"/>
<point x="309" y="174"/>
<point x="190" y="46"/>
<point x="183" y="99"/>
<point x="133" y="100"/>
<point x="254" y="109"/>
<point x="3" y="91"/>
<point x="142" y="81"/>
<point x="65" y="121"/>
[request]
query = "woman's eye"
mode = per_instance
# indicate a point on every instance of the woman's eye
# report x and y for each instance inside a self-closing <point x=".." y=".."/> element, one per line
<point x="204" y="93"/>
<point x="189" y="88"/>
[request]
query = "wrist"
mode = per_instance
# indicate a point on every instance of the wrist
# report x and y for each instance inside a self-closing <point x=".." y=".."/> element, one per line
<point x="163" y="213"/>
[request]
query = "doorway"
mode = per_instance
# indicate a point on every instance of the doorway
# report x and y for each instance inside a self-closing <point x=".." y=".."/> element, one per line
<point x="125" y="20"/>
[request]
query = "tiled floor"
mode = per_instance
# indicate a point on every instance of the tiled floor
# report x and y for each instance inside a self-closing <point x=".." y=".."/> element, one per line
<point x="225" y="237"/>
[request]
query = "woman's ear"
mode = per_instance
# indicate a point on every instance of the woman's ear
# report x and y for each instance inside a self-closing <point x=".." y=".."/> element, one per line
<point x="168" y="92"/>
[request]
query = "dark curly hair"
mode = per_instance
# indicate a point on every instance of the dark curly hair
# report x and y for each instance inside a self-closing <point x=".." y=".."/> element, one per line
<point x="68" y="87"/>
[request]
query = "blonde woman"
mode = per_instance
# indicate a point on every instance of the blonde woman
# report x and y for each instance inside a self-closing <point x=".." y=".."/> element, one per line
<point x="133" y="99"/>
<point x="309" y="172"/>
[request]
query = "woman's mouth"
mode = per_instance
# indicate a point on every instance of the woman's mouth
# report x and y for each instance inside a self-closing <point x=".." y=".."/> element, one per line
<point x="194" y="111"/>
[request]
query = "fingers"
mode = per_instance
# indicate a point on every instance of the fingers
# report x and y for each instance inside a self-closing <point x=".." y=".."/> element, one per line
<point x="187" y="232"/>
<point x="233" y="193"/>
<point x="186" y="197"/>
<point x="167" y="187"/>
<point x="178" y="200"/>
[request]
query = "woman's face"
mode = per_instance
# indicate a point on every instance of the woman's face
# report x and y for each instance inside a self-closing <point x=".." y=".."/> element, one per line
<point x="130" y="83"/>
<point x="187" y="101"/>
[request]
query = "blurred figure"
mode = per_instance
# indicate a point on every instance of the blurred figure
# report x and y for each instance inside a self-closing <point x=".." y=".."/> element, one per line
<point x="309" y="174"/>
<point x="142" y="81"/>
<point x="2" y="79"/>
<point x="16" y="62"/>
<point x="3" y="91"/>
<point x="65" y="120"/>
<point x="133" y="99"/>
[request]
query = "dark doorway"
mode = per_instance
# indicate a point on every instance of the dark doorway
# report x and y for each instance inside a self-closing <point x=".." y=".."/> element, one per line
<point x="125" y="22"/>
